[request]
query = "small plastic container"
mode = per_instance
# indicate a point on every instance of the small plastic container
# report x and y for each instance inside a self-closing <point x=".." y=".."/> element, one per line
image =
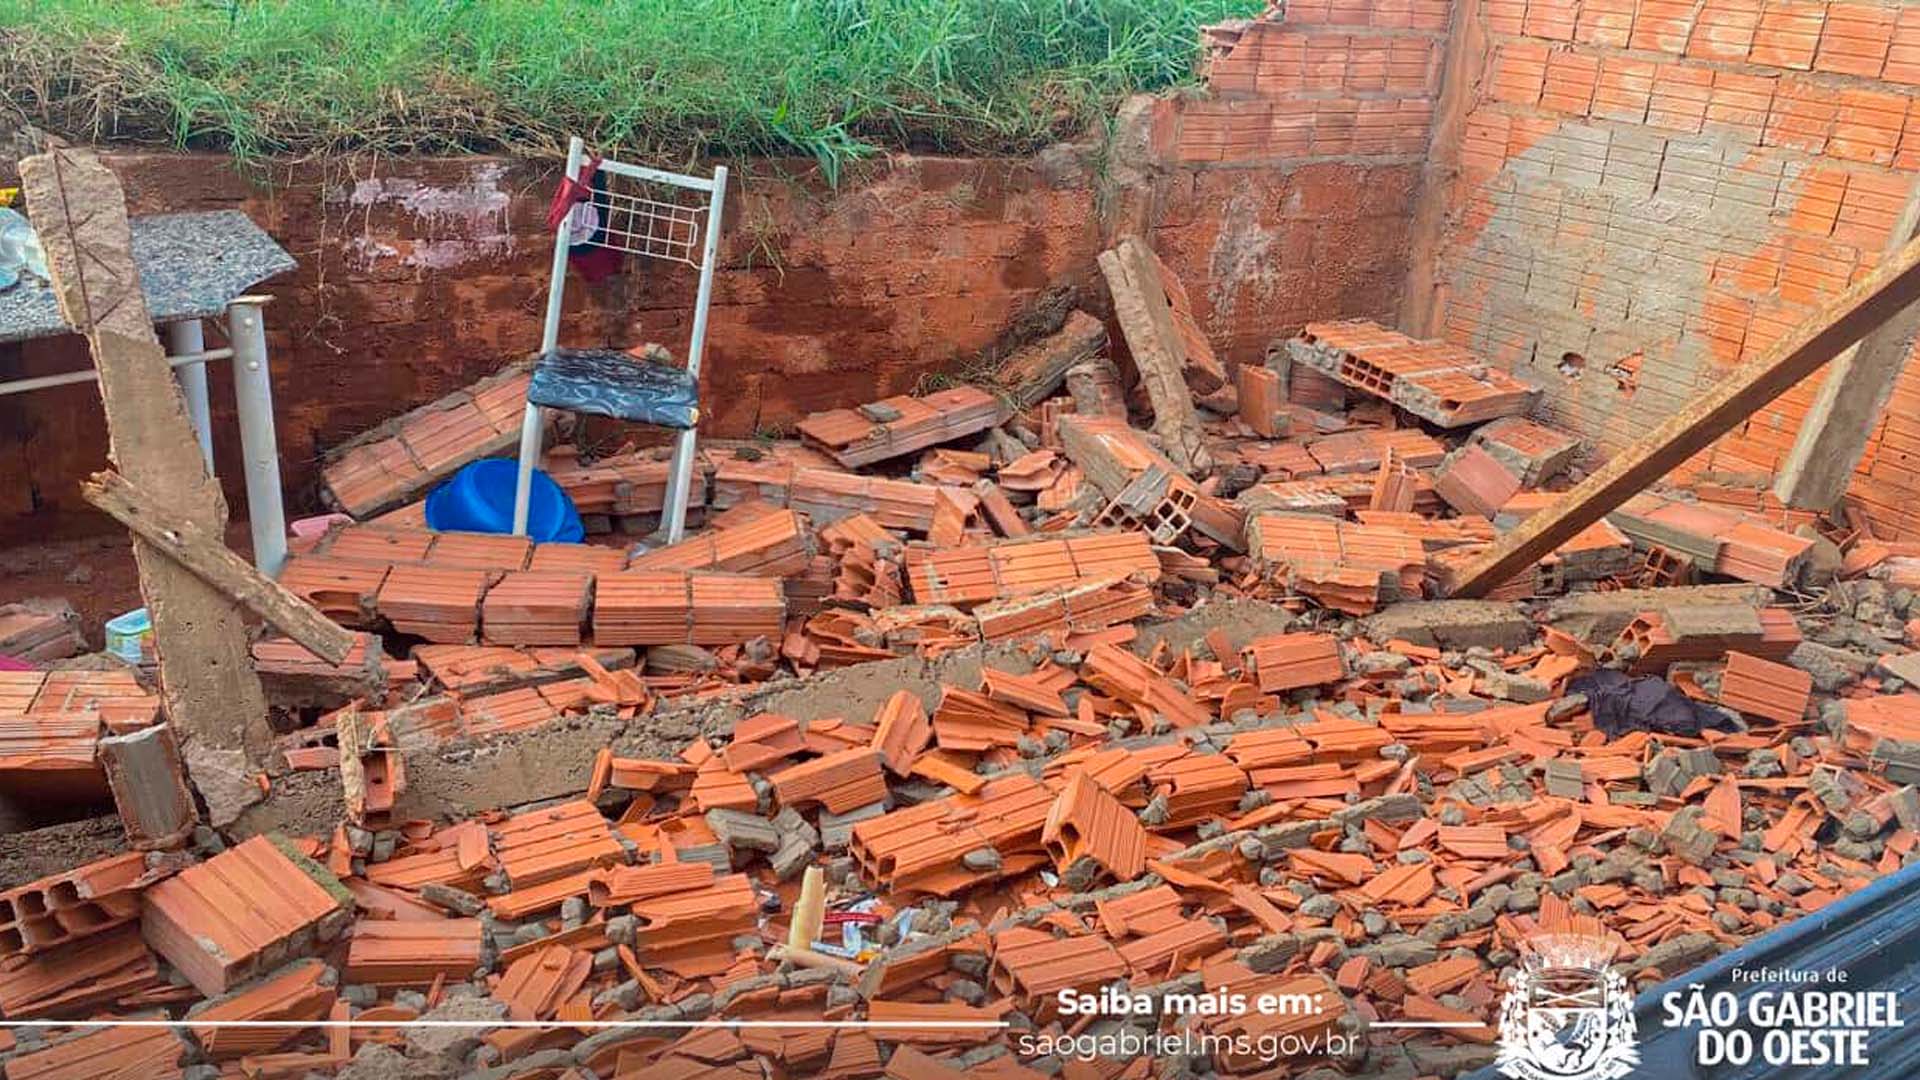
<point x="479" y="498"/>
<point x="130" y="636"/>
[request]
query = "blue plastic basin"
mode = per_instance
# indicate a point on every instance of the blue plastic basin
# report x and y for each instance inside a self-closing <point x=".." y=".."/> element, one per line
<point x="479" y="498"/>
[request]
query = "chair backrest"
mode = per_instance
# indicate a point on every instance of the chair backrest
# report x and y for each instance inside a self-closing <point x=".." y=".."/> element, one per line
<point x="665" y="215"/>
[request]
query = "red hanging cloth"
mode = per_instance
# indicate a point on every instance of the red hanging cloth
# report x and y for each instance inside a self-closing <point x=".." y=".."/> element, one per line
<point x="571" y="192"/>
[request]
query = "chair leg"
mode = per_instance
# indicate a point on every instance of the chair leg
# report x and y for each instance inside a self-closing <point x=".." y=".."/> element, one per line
<point x="678" y="484"/>
<point x="529" y="455"/>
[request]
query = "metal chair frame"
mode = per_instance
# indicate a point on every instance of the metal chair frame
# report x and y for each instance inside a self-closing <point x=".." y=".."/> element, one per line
<point x="643" y="227"/>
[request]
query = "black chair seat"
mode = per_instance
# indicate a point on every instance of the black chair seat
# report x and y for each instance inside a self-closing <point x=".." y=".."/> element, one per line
<point x="608" y="382"/>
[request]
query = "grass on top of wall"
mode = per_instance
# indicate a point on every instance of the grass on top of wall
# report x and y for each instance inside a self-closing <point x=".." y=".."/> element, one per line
<point x="831" y="79"/>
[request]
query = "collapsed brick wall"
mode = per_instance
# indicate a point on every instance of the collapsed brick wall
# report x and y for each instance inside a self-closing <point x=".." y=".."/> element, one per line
<point x="418" y="276"/>
<point x="1649" y="192"/>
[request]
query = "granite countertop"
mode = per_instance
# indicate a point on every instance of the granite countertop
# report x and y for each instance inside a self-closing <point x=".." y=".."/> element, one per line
<point x="191" y="265"/>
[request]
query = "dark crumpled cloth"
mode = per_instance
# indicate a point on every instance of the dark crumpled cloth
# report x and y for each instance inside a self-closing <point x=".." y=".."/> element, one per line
<point x="1620" y="704"/>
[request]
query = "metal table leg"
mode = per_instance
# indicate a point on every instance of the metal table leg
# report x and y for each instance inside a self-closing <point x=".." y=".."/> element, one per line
<point x="253" y="396"/>
<point x="188" y="338"/>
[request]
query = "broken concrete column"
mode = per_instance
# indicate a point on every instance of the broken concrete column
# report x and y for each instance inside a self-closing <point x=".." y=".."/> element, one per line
<point x="1852" y="400"/>
<point x="1451" y="624"/>
<point x="1035" y="370"/>
<point x="149" y="787"/>
<point x="207" y="680"/>
<point x="1160" y="350"/>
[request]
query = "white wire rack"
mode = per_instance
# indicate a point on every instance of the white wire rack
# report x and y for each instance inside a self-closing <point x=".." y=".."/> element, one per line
<point x="640" y="224"/>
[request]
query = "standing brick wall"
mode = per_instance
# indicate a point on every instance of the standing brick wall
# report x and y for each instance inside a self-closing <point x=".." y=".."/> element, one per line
<point x="1326" y="80"/>
<point x="1309" y="143"/>
<point x="1649" y="192"/>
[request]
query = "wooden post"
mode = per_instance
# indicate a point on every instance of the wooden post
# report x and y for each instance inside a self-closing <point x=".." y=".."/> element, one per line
<point x="1871" y="301"/>
<point x="207" y="682"/>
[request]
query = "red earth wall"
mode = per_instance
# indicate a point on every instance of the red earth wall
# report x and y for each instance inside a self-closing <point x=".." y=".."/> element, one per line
<point x="417" y="276"/>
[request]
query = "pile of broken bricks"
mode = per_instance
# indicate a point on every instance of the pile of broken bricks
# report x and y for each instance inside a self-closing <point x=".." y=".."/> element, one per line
<point x="1374" y="797"/>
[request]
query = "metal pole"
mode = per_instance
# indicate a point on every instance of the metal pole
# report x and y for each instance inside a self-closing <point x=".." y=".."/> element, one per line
<point x="530" y="422"/>
<point x="68" y="378"/>
<point x="681" y="479"/>
<point x="253" y="398"/>
<point x="187" y="338"/>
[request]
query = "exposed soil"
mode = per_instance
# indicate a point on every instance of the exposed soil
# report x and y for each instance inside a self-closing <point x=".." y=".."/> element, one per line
<point x="95" y="574"/>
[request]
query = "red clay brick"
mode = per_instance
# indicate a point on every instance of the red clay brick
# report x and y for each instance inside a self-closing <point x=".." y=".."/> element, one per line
<point x="1519" y="69"/>
<point x="1855" y="39"/>
<point x="1725" y="30"/>
<point x="1788" y="34"/>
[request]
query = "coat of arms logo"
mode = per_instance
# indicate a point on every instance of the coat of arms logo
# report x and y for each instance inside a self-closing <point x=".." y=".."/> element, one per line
<point x="1567" y="1015"/>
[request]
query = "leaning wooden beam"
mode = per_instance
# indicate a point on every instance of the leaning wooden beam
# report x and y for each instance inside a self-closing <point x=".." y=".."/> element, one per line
<point x="219" y="567"/>
<point x="207" y="682"/>
<point x="1876" y="298"/>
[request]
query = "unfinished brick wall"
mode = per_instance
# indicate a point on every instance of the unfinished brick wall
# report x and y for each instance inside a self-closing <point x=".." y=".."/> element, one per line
<point x="1310" y="143"/>
<point x="1330" y="78"/>
<point x="1649" y="192"/>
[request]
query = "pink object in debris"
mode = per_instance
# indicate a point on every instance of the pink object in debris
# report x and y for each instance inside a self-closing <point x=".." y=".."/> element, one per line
<point x="14" y="663"/>
<point x="310" y="528"/>
<point x="307" y="531"/>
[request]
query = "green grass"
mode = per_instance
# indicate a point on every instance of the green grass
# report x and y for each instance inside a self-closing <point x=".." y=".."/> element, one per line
<point x="831" y="79"/>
